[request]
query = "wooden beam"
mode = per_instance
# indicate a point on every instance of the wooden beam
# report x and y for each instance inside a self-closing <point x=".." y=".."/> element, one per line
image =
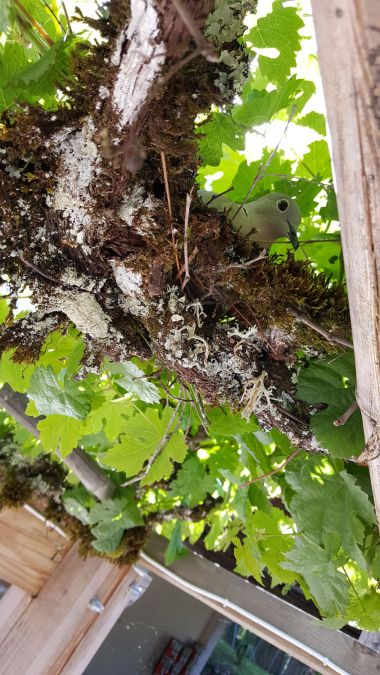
<point x="47" y="635"/>
<point x="348" y="38"/>
<point x="13" y="605"/>
<point x="29" y="550"/>
<point x="287" y="627"/>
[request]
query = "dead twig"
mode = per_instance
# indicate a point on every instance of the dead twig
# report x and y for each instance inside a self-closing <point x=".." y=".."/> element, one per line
<point x="330" y="337"/>
<point x="262" y="255"/>
<point x="191" y="258"/>
<point x="271" y="473"/>
<point x="346" y="415"/>
<point x="204" y="47"/>
<point x="170" y="212"/>
<point x="189" y="198"/>
<point x="263" y="167"/>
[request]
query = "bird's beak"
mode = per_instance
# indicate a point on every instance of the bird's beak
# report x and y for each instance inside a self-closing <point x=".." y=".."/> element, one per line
<point x="293" y="236"/>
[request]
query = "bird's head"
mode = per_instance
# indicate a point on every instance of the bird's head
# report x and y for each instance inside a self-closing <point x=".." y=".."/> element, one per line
<point x="281" y="213"/>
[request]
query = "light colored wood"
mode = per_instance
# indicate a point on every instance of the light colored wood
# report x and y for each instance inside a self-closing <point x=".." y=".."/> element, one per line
<point x="12" y="605"/>
<point x="29" y="550"/>
<point x="348" y="38"/>
<point x="99" y="630"/>
<point x="52" y="627"/>
<point x="348" y="655"/>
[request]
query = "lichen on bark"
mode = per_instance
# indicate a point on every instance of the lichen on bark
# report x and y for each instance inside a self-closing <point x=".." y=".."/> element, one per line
<point x="97" y="241"/>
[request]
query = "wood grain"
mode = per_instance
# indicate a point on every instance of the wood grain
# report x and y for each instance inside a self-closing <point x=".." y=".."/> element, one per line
<point x="348" y="38"/>
<point x="29" y="550"/>
<point x="53" y="625"/>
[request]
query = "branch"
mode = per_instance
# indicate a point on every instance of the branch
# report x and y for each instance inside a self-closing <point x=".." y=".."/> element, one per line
<point x="346" y="415"/>
<point x="84" y="467"/>
<point x="271" y="473"/>
<point x="330" y="337"/>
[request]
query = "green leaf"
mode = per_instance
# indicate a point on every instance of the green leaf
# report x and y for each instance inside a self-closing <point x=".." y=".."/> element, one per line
<point x="313" y="120"/>
<point x="62" y="351"/>
<point x="134" y="381"/>
<point x="17" y="375"/>
<point x="110" y="414"/>
<point x="175" y="549"/>
<point x="4" y="15"/>
<point x="229" y="424"/>
<point x="365" y="611"/>
<point x="107" y="538"/>
<point x="330" y="508"/>
<point x="277" y="30"/>
<point x="259" y="107"/>
<point x="273" y="532"/>
<point x="4" y="310"/>
<point x="122" y="511"/>
<point x="174" y="451"/>
<point x="140" y="439"/>
<point x="60" y="434"/>
<point x="74" y="508"/>
<point x="51" y="398"/>
<point x="192" y="481"/>
<point x="316" y="162"/>
<point x="219" y="130"/>
<point x="328" y="586"/>
<point x="332" y="381"/>
<point x="247" y="561"/>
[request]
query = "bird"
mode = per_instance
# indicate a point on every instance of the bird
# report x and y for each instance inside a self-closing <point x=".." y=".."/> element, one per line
<point x="264" y="220"/>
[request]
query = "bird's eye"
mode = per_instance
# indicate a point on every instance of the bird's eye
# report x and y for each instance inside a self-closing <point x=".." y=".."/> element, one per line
<point x="282" y="205"/>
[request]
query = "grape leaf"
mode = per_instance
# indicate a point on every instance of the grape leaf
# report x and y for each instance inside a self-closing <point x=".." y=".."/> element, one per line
<point x="121" y="510"/>
<point x="142" y="435"/>
<point x="175" y="549"/>
<point x="330" y="508"/>
<point x="273" y="531"/>
<point x="259" y="107"/>
<point x="328" y="586"/>
<point x="221" y="129"/>
<point x="247" y="560"/>
<point x="316" y="162"/>
<point x="108" y="414"/>
<point x="133" y="380"/>
<point x="313" y="120"/>
<point x="229" y="424"/>
<point x="277" y="30"/>
<point x="51" y="398"/>
<point x="192" y="481"/>
<point x="60" y="434"/>
<point x="17" y="375"/>
<point x="175" y="450"/>
<point x="332" y="381"/>
<point x="4" y="310"/>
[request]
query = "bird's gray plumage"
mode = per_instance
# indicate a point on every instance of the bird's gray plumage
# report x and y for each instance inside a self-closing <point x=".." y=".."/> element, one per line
<point x="264" y="220"/>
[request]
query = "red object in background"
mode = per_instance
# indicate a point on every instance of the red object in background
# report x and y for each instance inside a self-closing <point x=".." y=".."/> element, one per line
<point x="176" y="659"/>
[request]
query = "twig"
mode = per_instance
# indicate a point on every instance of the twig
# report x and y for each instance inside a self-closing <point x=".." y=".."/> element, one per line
<point x="220" y="194"/>
<point x="189" y="198"/>
<point x="67" y="18"/>
<point x="262" y="167"/>
<point x="204" y="47"/>
<point x="56" y="17"/>
<point x="37" y="270"/>
<point x="330" y="337"/>
<point x="304" y="241"/>
<point x="34" y="23"/>
<point x="170" y="211"/>
<point x="164" y="440"/>
<point x="166" y="182"/>
<point x="290" y="415"/>
<point x="271" y="473"/>
<point x="262" y="255"/>
<point x="346" y="415"/>
<point x="191" y="258"/>
<point x="327" y="186"/>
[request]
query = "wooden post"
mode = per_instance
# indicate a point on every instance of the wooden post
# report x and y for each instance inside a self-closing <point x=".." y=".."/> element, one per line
<point x="348" y="38"/>
<point x="57" y="632"/>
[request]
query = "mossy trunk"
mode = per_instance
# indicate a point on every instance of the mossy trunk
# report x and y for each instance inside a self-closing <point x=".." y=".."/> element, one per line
<point x="93" y="208"/>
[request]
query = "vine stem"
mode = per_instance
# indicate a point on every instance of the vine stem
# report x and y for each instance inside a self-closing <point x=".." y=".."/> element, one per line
<point x="271" y="473"/>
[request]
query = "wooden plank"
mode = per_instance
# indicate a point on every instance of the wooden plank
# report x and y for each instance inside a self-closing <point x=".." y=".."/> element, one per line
<point x="13" y="605"/>
<point x="52" y="627"/>
<point x="348" y="38"/>
<point x="335" y="647"/>
<point x="29" y="550"/>
<point x="99" y="630"/>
